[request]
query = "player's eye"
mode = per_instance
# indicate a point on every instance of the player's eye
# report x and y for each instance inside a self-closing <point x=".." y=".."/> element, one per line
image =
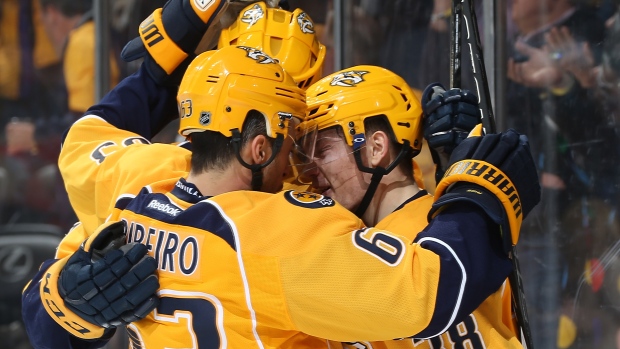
<point x="321" y="152"/>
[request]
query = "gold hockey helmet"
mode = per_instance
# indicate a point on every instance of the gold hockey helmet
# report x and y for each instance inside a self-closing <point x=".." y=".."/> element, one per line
<point x="346" y="98"/>
<point x="289" y="37"/>
<point x="220" y="88"/>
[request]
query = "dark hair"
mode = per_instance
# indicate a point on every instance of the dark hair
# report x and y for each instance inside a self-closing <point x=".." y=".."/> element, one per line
<point x="69" y="8"/>
<point x="380" y="123"/>
<point x="212" y="150"/>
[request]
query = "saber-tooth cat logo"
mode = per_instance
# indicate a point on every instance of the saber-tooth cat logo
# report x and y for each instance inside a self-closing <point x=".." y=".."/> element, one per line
<point x="258" y="55"/>
<point x="252" y="15"/>
<point x="348" y="78"/>
<point x="305" y="24"/>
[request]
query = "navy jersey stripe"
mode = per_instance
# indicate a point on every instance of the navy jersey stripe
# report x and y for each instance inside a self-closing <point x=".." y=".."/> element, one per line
<point x="481" y="263"/>
<point x="203" y="215"/>
<point x="122" y="202"/>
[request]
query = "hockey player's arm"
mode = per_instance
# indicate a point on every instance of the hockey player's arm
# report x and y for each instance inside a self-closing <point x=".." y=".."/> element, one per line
<point x="138" y="105"/>
<point x="95" y="160"/>
<point x="375" y="285"/>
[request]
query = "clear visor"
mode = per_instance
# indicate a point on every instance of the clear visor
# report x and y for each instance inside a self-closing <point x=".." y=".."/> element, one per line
<point x="320" y="161"/>
<point x="304" y="142"/>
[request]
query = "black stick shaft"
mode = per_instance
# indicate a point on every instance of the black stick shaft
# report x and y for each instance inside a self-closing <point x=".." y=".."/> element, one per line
<point x="468" y="15"/>
<point x="477" y="61"/>
<point x="455" y="44"/>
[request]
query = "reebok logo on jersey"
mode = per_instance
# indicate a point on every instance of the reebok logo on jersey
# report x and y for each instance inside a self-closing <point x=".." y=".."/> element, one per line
<point x="165" y="208"/>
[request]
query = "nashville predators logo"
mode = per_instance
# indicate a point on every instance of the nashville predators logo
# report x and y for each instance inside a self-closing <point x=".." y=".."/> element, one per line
<point x="348" y="78"/>
<point x="305" y="24"/>
<point x="252" y="15"/>
<point x="257" y="55"/>
<point x="307" y="199"/>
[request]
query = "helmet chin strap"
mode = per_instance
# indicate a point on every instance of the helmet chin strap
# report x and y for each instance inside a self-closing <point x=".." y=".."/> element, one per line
<point x="257" y="173"/>
<point x="377" y="173"/>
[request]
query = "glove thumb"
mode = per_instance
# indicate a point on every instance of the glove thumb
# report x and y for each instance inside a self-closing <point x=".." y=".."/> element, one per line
<point x="429" y="102"/>
<point x="133" y="50"/>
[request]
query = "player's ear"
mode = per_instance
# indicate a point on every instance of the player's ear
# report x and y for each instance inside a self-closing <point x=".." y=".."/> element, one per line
<point x="260" y="149"/>
<point x="378" y="145"/>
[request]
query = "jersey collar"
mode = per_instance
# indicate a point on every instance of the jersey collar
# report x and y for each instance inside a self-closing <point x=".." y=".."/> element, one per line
<point x="186" y="191"/>
<point x="418" y="195"/>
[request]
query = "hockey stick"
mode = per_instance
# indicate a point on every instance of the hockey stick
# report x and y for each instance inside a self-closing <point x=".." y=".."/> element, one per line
<point x="463" y="13"/>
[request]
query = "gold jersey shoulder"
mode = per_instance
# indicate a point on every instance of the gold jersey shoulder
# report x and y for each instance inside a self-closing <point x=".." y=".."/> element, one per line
<point x="95" y="177"/>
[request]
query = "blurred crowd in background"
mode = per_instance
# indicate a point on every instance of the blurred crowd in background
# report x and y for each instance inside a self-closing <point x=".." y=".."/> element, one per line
<point x="562" y="90"/>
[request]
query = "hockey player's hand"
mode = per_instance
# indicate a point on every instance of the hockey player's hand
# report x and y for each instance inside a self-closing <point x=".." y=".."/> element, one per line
<point x="449" y="116"/>
<point x="104" y="284"/>
<point x="169" y="36"/>
<point x="497" y="173"/>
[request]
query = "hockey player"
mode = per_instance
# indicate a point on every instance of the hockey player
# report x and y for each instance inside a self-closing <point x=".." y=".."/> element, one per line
<point x="231" y="277"/>
<point x="369" y="127"/>
<point x="298" y="51"/>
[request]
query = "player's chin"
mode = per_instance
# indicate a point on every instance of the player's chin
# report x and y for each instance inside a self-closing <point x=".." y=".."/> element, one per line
<point x="280" y="188"/>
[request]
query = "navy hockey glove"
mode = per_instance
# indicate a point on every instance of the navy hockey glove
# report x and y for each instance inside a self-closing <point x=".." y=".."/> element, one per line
<point x="497" y="173"/>
<point x="104" y="284"/>
<point x="170" y="35"/>
<point x="449" y="116"/>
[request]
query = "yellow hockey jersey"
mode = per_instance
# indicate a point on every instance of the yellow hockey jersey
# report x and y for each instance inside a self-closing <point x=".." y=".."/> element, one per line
<point x="489" y="326"/>
<point x="250" y="269"/>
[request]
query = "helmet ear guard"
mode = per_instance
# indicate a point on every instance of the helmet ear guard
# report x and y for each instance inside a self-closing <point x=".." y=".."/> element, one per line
<point x="289" y="37"/>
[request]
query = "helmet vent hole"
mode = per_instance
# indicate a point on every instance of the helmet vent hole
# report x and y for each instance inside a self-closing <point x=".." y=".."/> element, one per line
<point x="396" y="87"/>
<point x="406" y="124"/>
<point x="408" y="106"/>
<point x="275" y="45"/>
<point x="307" y="83"/>
<point x="321" y="93"/>
<point x="313" y="111"/>
<point x="404" y="97"/>
<point x="301" y="84"/>
<point x="330" y="106"/>
<point x="279" y="16"/>
<point x="213" y="79"/>
<point x="277" y="74"/>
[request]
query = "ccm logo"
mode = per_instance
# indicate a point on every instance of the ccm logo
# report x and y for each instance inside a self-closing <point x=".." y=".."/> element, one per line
<point x="150" y="32"/>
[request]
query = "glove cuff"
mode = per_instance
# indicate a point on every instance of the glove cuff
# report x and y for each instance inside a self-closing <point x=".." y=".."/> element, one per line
<point x="469" y="193"/>
<point x="158" y="43"/>
<point x="55" y="306"/>
<point x="492" y="179"/>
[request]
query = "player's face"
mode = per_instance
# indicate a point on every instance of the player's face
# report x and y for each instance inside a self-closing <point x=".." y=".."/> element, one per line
<point x="276" y="171"/>
<point x="334" y="172"/>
